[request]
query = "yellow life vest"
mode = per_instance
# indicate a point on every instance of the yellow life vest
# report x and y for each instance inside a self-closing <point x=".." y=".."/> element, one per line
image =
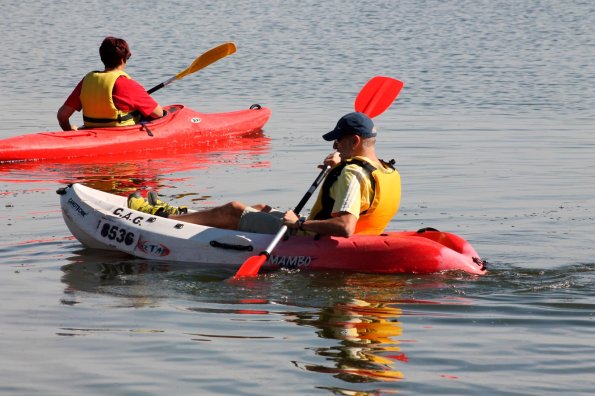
<point x="98" y="104"/>
<point x="386" y="185"/>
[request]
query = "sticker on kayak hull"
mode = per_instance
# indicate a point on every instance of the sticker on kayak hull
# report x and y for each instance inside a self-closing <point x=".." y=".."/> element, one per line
<point x="195" y="120"/>
<point x="290" y="262"/>
<point x="114" y="235"/>
<point x="153" y="249"/>
<point x="77" y="207"/>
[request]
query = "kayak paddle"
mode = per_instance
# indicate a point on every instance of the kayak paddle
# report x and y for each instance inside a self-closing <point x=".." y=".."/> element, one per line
<point x="377" y="95"/>
<point x="373" y="99"/>
<point x="252" y="265"/>
<point x="204" y="60"/>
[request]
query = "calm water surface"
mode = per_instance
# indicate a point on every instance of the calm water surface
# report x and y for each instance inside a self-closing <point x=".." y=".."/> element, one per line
<point x="493" y="136"/>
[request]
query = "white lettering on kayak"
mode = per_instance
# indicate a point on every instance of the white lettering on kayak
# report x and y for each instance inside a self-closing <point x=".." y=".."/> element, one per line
<point x="291" y="261"/>
<point x="76" y="207"/>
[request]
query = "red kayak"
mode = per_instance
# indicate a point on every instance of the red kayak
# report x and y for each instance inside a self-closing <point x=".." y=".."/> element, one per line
<point x="180" y="127"/>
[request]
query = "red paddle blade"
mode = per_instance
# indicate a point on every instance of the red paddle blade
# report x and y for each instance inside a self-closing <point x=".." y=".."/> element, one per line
<point x="251" y="266"/>
<point x="377" y="95"/>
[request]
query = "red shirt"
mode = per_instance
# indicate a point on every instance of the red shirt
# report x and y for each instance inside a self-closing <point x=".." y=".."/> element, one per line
<point x="128" y="96"/>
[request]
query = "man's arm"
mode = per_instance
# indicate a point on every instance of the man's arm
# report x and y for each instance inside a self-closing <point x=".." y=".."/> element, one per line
<point x="341" y="225"/>
<point x="157" y="112"/>
<point x="129" y="95"/>
<point x="64" y="114"/>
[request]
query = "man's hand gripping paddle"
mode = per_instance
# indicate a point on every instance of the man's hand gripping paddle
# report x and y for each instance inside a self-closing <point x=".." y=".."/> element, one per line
<point x="373" y="99"/>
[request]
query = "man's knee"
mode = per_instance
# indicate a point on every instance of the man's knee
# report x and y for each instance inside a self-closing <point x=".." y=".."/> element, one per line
<point x="234" y="209"/>
<point x="262" y="207"/>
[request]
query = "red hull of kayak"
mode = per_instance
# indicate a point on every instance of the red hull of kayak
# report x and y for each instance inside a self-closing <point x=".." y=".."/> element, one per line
<point x="414" y="252"/>
<point x="180" y="127"/>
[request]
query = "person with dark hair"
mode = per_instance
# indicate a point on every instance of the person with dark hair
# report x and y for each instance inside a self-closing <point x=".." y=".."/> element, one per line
<point x="360" y="194"/>
<point x="109" y="97"/>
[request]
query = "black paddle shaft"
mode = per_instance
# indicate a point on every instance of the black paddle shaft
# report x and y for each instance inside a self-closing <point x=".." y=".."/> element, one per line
<point x="155" y="88"/>
<point x="311" y="190"/>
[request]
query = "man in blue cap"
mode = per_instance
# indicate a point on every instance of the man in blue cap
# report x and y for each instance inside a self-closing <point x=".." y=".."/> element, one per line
<point x="360" y="195"/>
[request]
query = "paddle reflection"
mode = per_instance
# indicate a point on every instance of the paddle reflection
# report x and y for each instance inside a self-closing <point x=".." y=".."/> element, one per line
<point x="367" y="349"/>
<point x="132" y="171"/>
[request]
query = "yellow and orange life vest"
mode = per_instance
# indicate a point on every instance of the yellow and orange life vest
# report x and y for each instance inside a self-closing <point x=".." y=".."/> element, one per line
<point x="98" y="104"/>
<point x="386" y="187"/>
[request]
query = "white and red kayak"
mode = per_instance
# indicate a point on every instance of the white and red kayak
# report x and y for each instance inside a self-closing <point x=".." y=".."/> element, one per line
<point x="102" y="220"/>
<point x="180" y="127"/>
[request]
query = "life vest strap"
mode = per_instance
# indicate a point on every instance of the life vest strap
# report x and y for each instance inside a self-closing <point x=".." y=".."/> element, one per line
<point x="331" y="178"/>
<point x="121" y="118"/>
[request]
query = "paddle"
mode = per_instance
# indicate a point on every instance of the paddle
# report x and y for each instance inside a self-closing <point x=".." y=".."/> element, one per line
<point x="211" y="56"/>
<point x="377" y="95"/>
<point x="373" y="99"/>
<point x="252" y="265"/>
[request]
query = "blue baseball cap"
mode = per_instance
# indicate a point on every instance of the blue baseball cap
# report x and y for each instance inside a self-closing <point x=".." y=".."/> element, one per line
<point x="352" y="124"/>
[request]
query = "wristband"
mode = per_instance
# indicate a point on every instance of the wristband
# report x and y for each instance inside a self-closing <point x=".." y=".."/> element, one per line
<point x="300" y="224"/>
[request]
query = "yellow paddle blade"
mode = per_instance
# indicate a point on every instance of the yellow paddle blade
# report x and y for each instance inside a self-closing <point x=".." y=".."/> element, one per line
<point x="212" y="55"/>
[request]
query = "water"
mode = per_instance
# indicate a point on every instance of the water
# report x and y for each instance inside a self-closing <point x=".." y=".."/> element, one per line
<point x="493" y="136"/>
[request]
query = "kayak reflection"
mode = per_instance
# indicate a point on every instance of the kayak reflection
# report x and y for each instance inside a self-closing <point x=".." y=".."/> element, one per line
<point x="129" y="172"/>
<point x="366" y="346"/>
<point x="363" y="333"/>
<point x="135" y="283"/>
<point x="367" y="350"/>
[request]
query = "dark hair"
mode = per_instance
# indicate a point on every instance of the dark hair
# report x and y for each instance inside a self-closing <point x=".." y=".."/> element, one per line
<point x="112" y="51"/>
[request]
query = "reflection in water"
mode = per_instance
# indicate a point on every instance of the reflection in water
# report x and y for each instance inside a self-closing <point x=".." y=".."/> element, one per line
<point x="362" y="333"/>
<point x="111" y="274"/>
<point x="367" y="350"/>
<point x="114" y="273"/>
<point x="132" y="171"/>
<point x="364" y="345"/>
<point x="142" y="282"/>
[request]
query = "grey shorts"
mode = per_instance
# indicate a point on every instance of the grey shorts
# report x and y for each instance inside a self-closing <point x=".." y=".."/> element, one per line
<point x="253" y="220"/>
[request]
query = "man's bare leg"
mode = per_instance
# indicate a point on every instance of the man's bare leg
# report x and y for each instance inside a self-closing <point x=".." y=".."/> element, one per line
<point x="226" y="216"/>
